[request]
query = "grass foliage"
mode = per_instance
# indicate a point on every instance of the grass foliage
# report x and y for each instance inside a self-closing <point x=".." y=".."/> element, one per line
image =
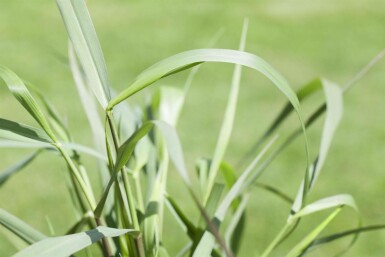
<point x="136" y="147"/>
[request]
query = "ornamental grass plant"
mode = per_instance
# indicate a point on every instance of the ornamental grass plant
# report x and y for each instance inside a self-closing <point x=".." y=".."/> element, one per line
<point x="136" y="147"/>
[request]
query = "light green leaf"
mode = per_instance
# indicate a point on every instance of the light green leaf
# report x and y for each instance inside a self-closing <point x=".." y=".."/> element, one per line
<point x="20" y="228"/>
<point x="87" y="47"/>
<point x="301" y="246"/>
<point x="171" y="103"/>
<point x="21" y="93"/>
<point x="228" y="120"/>
<point x="206" y="243"/>
<point x="333" y="116"/>
<point x="124" y="154"/>
<point x="194" y="57"/>
<point x="8" y="128"/>
<point x="326" y="203"/>
<point x="64" y="246"/>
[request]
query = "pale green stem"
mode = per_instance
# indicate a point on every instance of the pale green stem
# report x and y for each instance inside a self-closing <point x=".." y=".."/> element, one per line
<point x="130" y="198"/>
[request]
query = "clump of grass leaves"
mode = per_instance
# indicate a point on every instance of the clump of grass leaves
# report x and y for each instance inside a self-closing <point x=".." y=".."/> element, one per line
<point x="134" y="150"/>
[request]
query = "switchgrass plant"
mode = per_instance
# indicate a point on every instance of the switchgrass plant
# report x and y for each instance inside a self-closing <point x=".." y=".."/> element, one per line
<point x="135" y="148"/>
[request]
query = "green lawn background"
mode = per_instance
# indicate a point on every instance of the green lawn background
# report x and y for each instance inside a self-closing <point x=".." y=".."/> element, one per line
<point x="302" y="39"/>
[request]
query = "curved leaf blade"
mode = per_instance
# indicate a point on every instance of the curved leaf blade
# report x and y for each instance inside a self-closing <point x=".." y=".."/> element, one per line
<point x="64" y="246"/>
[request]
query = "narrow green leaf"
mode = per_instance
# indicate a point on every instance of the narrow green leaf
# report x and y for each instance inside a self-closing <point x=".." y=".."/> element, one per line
<point x="64" y="246"/>
<point x="228" y="120"/>
<point x="20" y="228"/>
<point x="21" y="93"/>
<point x="87" y="47"/>
<point x="206" y="243"/>
<point x="125" y="151"/>
<point x="235" y="229"/>
<point x="326" y="203"/>
<point x="331" y="238"/>
<point x="333" y="116"/>
<point x="88" y="103"/>
<point x="54" y="117"/>
<point x="187" y="225"/>
<point x="170" y="64"/>
<point x="8" y="172"/>
<point x="8" y="127"/>
<point x="301" y="246"/>
<point x="171" y="103"/>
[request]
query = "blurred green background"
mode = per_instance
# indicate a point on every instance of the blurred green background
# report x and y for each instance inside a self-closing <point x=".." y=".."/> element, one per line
<point x="301" y="39"/>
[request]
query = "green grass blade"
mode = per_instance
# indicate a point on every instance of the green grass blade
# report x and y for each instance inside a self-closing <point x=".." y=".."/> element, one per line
<point x="21" y="93"/>
<point x="86" y="44"/>
<point x="301" y="246"/>
<point x="54" y="117"/>
<point x="171" y="103"/>
<point x="174" y="148"/>
<point x="8" y="172"/>
<point x="20" y="228"/>
<point x="9" y="128"/>
<point x="64" y="246"/>
<point x="124" y="154"/>
<point x="275" y="191"/>
<point x="194" y="57"/>
<point x="228" y="120"/>
<point x="87" y="101"/>
<point x="206" y="243"/>
<point x="182" y="218"/>
<point x="234" y="231"/>
<point x="351" y="232"/>
<point x="326" y="203"/>
<point x="127" y="148"/>
<point x="334" y="102"/>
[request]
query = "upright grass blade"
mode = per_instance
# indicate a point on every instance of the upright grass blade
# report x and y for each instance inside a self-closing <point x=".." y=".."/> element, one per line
<point x="333" y="116"/>
<point x="124" y="154"/>
<point x="21" y="93"/>
<point x="228" y="121"/>
<point x="301" y="246"/>
<point x="206" y="242"/>
<point x="20" y="228"/>
<point x="87" y="47"/>
<point x="8" y="172"/>
<point x="324" y="204"/>
<point x="88" y="103"/>
<point x="64" y="246"/>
